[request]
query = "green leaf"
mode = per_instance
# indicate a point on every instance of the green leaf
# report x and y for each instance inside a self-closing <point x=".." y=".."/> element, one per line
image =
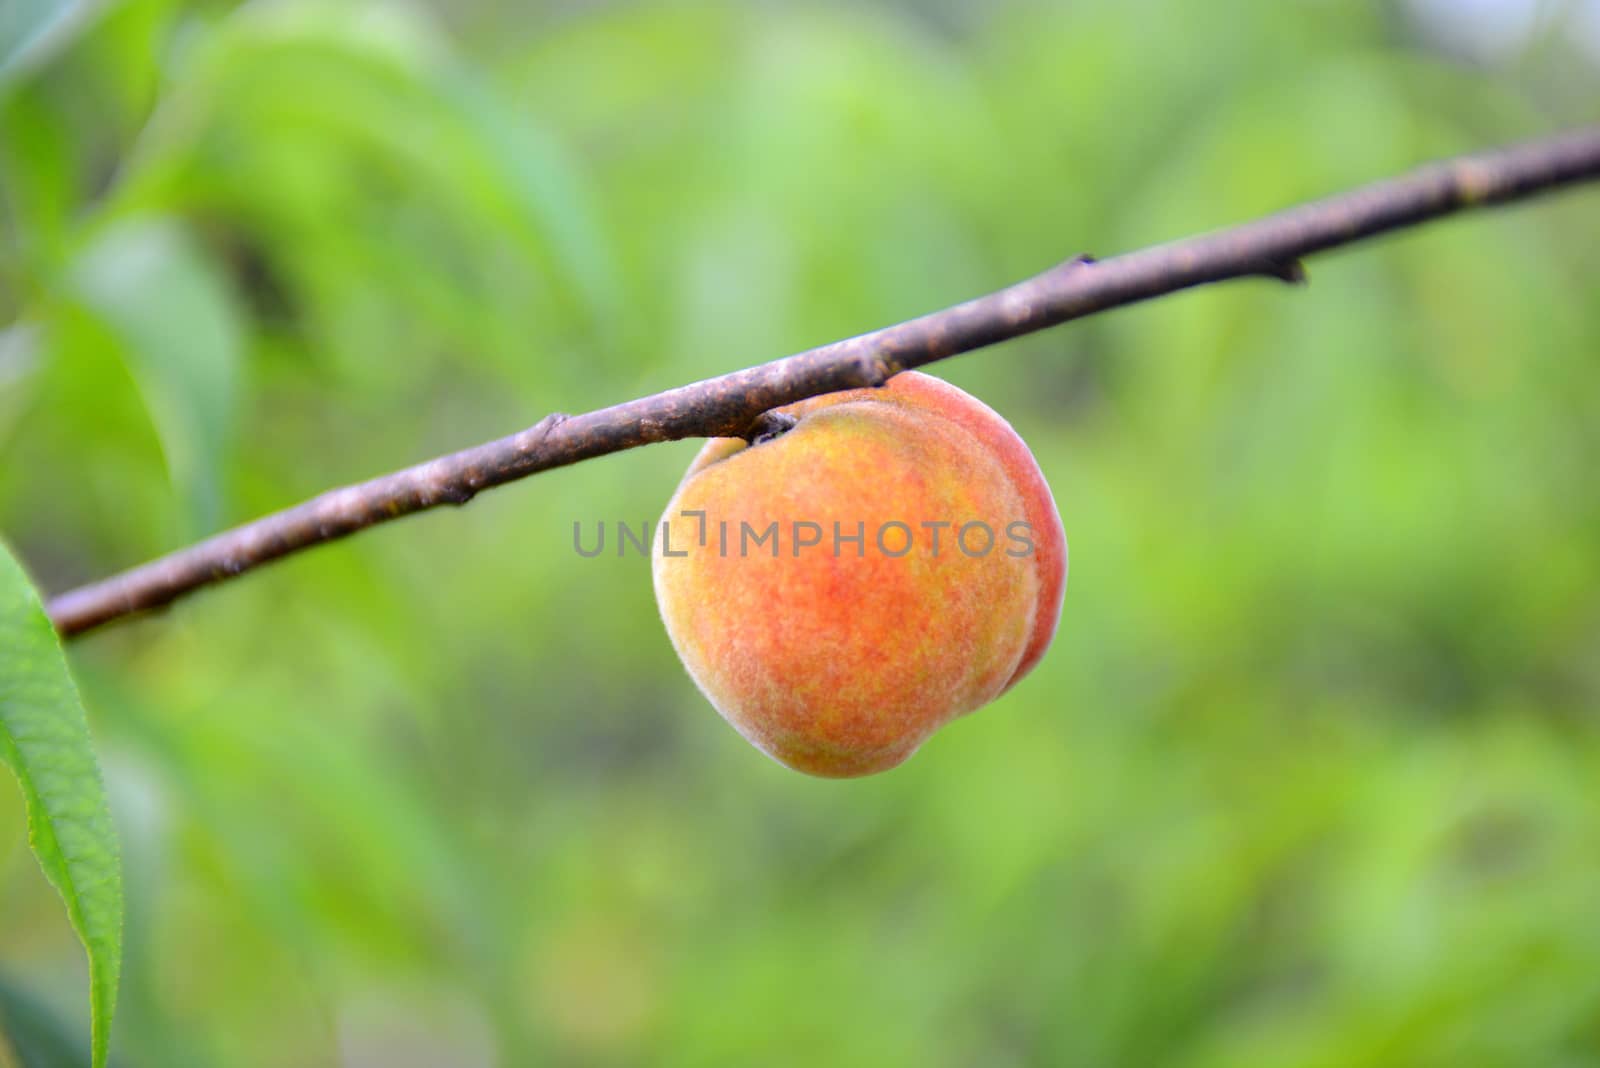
<point x="180" y="333"/>
<point x="45" y="739"/>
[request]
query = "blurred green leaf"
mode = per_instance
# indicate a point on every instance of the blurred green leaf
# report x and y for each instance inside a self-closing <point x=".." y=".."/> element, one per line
<point x="33" y="1036"/>
<point x="450" y="198"/>
<point x="45" y="740"/>
<point x="179" y="333"/>
<point x="31" y="31"/>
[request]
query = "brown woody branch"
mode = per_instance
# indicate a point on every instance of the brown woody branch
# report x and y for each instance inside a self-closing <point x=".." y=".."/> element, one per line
<point x="733" y="404"/>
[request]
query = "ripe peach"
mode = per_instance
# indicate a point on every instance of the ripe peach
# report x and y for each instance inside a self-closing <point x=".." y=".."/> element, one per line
<point x="891" y="562"/>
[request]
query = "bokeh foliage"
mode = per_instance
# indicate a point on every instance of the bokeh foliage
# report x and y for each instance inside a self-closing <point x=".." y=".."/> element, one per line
<point x="1309" y="778"/>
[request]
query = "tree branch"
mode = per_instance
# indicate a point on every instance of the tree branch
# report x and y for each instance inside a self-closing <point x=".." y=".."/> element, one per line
<point x="733" y="404"/>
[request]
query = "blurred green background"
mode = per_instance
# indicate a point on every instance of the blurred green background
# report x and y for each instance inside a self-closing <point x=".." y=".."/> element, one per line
<point x="1310" y="778"/>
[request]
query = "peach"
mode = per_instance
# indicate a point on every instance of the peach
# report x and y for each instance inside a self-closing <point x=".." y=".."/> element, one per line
<point x="892" y="561"/>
